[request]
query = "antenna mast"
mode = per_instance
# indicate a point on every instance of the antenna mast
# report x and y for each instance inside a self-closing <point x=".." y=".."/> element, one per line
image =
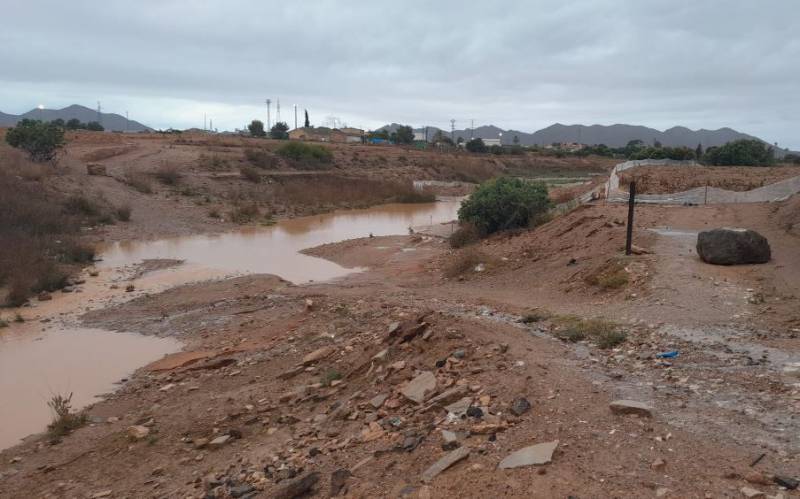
<point x="453" y="130"/>
<point x="269" y="125"/>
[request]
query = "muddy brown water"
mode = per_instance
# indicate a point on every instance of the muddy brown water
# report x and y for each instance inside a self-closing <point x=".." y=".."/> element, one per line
<point x="52" y="354"/>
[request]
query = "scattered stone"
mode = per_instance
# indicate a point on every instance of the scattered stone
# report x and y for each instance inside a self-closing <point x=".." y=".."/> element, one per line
<point x="138" y="432"/>
<point x="520" y="406"/>
<point x="339" y="480"/>
<point x="445" y="462"/>
<point x="45" y="296"/>
<point x="658" y="465"/>
<point x="662" y="491"/>
<point x="102" y="493"/>
<point x="220" y="441"/>
<point x="378" y="400"/>
<point x="318" y="355"/>
<point x="130" y="288"/>
<point x="751" y="493"/>
<point x="631" y="407"/>
<point x="528" y="456"/>
<point x="419" y="388"/>
<point x="787" y="482"/>
<point x="309" y="304"/>
<point x="757" y="478"/>
<point x="459" y="408"/>
<point x="459" y="354"/>
<point x="297" y="487"/>
<point x="474" y="412"/>
<point x="732" y="247"/>
<point x="291" y="373"/>
<point x="241" y="490"/>
<point x="447" y="397"/>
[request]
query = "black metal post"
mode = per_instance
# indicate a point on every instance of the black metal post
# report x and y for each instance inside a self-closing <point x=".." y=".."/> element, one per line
<point x="631" y="202"/>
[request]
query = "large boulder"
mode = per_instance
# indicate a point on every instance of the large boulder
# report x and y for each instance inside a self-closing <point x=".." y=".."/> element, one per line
<point x="732" y="247"/>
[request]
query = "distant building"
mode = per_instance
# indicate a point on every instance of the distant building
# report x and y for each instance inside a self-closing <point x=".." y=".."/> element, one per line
<point x="353" y="135"/>
<point x="492" y="142"/>
<point x="420" y="137"/>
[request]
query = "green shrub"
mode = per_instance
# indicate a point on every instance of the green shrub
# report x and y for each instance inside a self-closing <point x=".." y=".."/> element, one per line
<point x="64" y="420"/>
<point x="40" y="140"/>
<point x="504" y="203"/>
<point x="168" y="175"/>
<point x="81" y="205"/>
<point x="746" y="152"/>
<point x="306" y="154"/>
<point x="605" y="333"/>
<point x="261" y="159"/>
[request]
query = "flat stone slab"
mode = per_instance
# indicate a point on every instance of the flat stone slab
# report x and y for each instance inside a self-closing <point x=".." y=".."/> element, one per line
<point x="631" y="407"/>
<point x="445" y="462"/>
<point x="317" y="355"/>
<point x="529" y="456"/>
<point x="419" y="388"/>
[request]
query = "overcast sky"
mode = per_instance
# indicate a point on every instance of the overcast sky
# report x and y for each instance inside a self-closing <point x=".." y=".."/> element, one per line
<point x="519" y="64"/>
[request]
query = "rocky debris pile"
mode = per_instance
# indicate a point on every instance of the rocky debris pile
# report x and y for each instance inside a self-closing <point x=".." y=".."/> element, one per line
<point x="732" y="247"/>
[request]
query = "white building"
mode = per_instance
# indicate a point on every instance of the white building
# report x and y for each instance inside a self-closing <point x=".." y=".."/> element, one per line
<point x="492" y="142"/>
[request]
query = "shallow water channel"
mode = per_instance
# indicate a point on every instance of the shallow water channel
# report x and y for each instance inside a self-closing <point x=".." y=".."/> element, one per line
<point x="52" y="354"/>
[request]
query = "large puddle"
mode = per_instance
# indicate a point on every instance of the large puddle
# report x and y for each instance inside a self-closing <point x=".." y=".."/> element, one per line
<point x="38" y="361"/>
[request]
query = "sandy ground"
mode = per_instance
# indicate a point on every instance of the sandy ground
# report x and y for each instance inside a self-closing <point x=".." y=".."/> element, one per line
<point x="311" y="379"/>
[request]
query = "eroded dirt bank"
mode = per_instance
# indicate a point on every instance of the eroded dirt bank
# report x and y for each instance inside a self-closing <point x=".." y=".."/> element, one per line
<point x="284" y="385"/>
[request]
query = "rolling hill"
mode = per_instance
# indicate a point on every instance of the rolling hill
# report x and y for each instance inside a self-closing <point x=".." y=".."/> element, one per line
<point x="111" y="121"/>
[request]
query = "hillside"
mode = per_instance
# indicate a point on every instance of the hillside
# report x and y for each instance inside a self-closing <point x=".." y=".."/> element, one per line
<point x="612" y="135"/>
<point x="111" y="121"/>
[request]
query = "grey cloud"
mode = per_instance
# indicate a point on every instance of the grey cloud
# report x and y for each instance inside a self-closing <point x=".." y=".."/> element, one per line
<point x="520" y="64"/>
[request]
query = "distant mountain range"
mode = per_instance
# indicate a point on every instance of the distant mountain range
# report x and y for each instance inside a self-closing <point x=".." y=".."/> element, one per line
<point x="612" y="135"/>
<point x="110" y="121"/>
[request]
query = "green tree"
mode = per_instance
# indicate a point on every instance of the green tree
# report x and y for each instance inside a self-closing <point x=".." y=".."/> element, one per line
<point x="280" y="131"/>
<point x="505" y="203"/>
<point x="95" y="126"/>
<point x="58" y="122"/>
<point x="743" y="152"/>
<point x="698" y="152"/>
<point x="516" y="140"/>
<point x="405" y="135"/>
<point x="256" y="128"/>
<point x="308" y="122"/>
<point x="476" y="145"/>
<point x="74" y="124"/>
<point x="40" y="140"/>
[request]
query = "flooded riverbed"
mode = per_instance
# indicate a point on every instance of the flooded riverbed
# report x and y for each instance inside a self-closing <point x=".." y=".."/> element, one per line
<point x="38" y="360"/>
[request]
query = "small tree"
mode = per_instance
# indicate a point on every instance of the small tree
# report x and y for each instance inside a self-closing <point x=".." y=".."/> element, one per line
<point x="476" y="145"/>
<point x="308" y="122"/>
<point x="95" y="126"/>
<point x="256" y="128"/>
<point x="505" y="203"/>
<point x="280" y="131"/>
<point x="698" y="152"/>
<point x="404" y="135"/>
<point x="40" y="140"/>
<point x="74" y="124"/>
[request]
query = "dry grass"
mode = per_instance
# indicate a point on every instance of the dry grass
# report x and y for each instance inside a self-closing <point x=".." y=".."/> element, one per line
<point x="38" y="230"/>
<point x="610" y="275"/>
<point x="465" y="235"/>
<point x="465" y="260"/>
<point x="139" y="181"/>
<point x="107" y="153"/>
<point x="606" y="334"/>
<point x="261" y="158"/>
<point x="168" y="174"/>
<point x="64" y="420"/>
<point x="250" y="174"/>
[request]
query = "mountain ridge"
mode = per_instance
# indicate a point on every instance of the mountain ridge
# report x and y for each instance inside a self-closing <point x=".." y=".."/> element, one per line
<point x="616" y="135"/>
<point x="110" y="121"/>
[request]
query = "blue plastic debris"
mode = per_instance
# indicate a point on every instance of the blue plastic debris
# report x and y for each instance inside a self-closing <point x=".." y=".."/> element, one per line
<point x="667" y="355"/>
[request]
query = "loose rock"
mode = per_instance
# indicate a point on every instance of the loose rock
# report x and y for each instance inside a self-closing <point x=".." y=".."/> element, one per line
<point x="631" y="407"/>
<point x="419" y="388"/>
<point x="732" y="247"/>
<point x="445" y="462"/>
<point x="529" y="456"/>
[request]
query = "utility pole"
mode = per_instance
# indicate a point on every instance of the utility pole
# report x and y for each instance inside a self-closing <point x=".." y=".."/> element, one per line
<point x="453" y="130"/>
<point x="278" y="112"/>
<point x="471" y="129"/>
<point x="99" y="119"/>
<point x="295" y="116"/>
<point x="269" y="125"/>
<point x="204" y="123"/>
<point x="127" y="122"/>
<point x="631" y="202"/>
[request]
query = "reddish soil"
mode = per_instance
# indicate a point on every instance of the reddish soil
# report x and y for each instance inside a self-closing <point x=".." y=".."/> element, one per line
<point x="669" y="179"/>
<point x="717" y="406"/>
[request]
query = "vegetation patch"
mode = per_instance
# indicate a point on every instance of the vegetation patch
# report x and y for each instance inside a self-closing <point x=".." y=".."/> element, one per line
<point x="168" y="175"/>
<point x="465" y="235"/>
<point x="139" y="181"/>
<point x="605" y="333"/>
<point x="262" y="159"/>
<point x="64" y="420"/>
<point x="610" y="275"/>
<point x="466" y="260"/>
<point x="250" y="174"/>
<point x="40" y="140"/>
<point x="504" y="203"/>
<point x="306" y="156"/>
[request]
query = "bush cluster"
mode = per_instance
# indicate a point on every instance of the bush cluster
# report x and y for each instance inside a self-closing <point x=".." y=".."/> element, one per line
<point x="504" y="203"/>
